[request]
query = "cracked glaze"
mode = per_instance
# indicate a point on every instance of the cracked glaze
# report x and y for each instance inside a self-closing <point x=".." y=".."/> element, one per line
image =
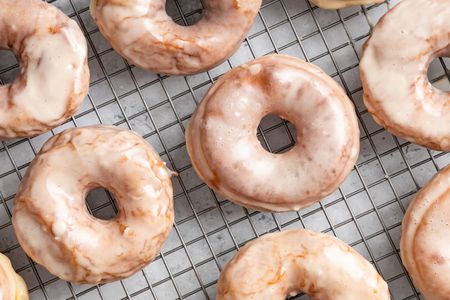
<point x="142" y="32"/>
<point x="425" y="238"/>
<point x="12" y="286"/>
<point x="394" y="72"/>
<point x="335" y="4"/>
<point x="52" y="222"/>
<point x="54" y="75"/>
<point x="225" y="152"/>
<point x="283" y="264"/>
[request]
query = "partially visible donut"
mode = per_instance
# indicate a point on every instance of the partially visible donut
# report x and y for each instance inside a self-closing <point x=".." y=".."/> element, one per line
<point x="12" y="286"/>
<point x="225" y="152"/>
<point x="280" y="265"/>
<point x="143" y="33"/>
<point x="335" y="4"/>
<point x="394" y="69"/>
<point x="51" y="220"/>
<point x="54" y="76"/>
<point x="425" y="242"/>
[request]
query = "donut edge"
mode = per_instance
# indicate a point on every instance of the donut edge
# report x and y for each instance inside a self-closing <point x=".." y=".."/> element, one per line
<point x="378" y="114"/>
<point x="411" y="222"/>
<point x="195" y="141"/>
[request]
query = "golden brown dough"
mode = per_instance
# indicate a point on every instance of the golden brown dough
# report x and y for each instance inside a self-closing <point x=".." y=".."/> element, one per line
<point x="143" y="33"/>
<point x="12" y="286"/>
<point x="54" y="77"/>
<point x="425" y="242"/>
<point x="283" y="264"/>
<point x="51" y="220"/>
<point x="394" y="68"/>
<point x="225" y="152"/>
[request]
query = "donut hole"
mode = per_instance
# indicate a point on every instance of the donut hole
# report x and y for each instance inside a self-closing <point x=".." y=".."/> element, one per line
<point x="301" y="296"/>
<point x="186" y="12"/>
<point x="101" y="204"/>
<point x="276" y="135"/>
<point x="9" y="66"/>
<point x="439" y="73"/>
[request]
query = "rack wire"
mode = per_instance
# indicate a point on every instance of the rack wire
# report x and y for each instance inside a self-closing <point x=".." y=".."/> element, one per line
<point x="365" y="212"/>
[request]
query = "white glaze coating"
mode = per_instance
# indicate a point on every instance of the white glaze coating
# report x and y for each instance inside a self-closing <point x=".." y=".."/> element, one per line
<point x="54" y="75"/>
<point x="394" y="72"/>
<point x="12" y="286"/>
<point x="335" y="4"/>
<point x="284" y="264"/>
<point x="425" y="238"/>
<point x="142" y="32"/>
<point x="51" y="220"/>
<point x="225" y="152"/>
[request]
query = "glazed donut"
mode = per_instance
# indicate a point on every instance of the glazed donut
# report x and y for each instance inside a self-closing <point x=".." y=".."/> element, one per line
<point x="425" y="241"/>
<point x="51" y="220"/>
<point x="221" y="137"/>
<point x="143" y="33"/>
<point x="335" y="4"/>
<point x="12" y="286"/>
<point x="394" y="68"/>
<point x="54" y="76"/>
<point x="280" y="265"/>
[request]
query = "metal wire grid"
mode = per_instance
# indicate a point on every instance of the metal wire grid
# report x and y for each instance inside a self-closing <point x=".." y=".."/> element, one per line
<point x="365" y="212"/>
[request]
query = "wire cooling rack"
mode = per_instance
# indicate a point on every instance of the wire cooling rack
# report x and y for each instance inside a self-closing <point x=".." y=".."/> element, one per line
<point x="365" y="212"/>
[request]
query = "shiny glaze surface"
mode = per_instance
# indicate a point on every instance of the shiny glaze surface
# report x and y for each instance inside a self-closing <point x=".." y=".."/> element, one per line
<point x="394" y="68"/>
<point x="142" y="32"/>
<point x="425" y="238"/>
<point x="280" y="265"/>
<point x="225" y="152"/>
<point x="54" y="75"/>
<point x="335" y="4"/>
<point x="52" y="222"/>
<point x="12" y="286"/>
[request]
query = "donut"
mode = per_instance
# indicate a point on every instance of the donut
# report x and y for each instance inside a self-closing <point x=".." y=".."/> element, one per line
<point x="54" y="75"/>
<point x="425" y="240"/>
<point x="394" y="68"/>
<point x="12" y="286"/>
<point x="335" y="4"/>
<point x="51" y="220"/>
<point x="281" y="265"/>
<point x="143" y="33"/>
<point x="226" y="154"/>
